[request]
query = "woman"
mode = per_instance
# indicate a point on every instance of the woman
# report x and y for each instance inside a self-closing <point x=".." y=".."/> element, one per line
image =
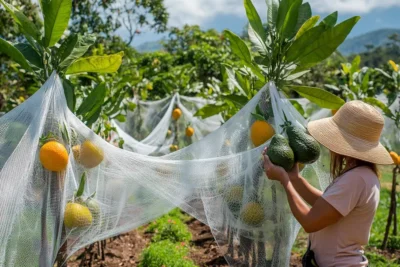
<point x="339" y="220"/>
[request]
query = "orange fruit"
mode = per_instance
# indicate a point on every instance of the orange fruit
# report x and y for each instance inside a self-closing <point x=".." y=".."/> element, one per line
<point x="54" y="156"/>
<point x="334" y="111"/>
<point x="176" y="114"/>
<point x="189" y="131"/>
<point x="261" y="132"/>
<point x="395" y="157"/>
<point x="90" y="155"/>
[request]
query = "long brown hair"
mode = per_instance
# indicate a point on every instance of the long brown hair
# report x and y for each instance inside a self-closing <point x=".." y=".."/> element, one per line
<point x="340" y="162"/>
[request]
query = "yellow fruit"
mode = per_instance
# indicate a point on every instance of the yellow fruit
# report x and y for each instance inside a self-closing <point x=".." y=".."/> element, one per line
<point x="252" y="214"/>
<point x="261" y="132"/>
<point x="54" y="156"/>
<point x="173" y="148"/>
<point x="395" y="157"/>
<point x="234" y="194"/>
<point x="169" y="133"/>
<point x="176" y="114"/>
<point x="189" y="131"/>
<point x="149" y="86"/>
<point x="90" y="155"/>
<point x="394" y="65"/>
<point x="77" y="215"/>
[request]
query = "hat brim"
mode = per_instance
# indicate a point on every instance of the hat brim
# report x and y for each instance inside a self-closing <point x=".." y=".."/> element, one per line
<point x="328" y="133"/>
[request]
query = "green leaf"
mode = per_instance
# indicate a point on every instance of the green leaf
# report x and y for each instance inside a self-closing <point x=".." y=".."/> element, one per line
<point x="99" y="64"/>
<point x="365" y="82"/>
<point x="296" y="75"/>
<point x="321" y="97"/>
<point x="238" y="100"/>
<point x="306" y="39"/>
<point x="81" y="185"/>
<point x="257" y="41"/>
<point x="314" y="51"/>
<point x="273" y="7"/>
<point x="332" y="87"/>
<point x="304" y="15"/>
<point x="93" y="116"/>
<point x="375" y="102"/>
<point x="210" y="110"/>
<point x="298" y="106"/>
<point x="69" y="92"/>
<point x="120" y="118"/>
<point x="384" y="73"/>
<point x="258" y="117"/>
<point x="283" y="9"/>
<point x="74" y="47"/>
<point x="289" y="25"/>
<point x="26" y="26"/>
<point x="30" y="54"/>
<point x="239" y="47"/>
<point x="232" y="78"/>
<point x="346" y="68"/>
<point x="254" y="19"/>
<point x="306" y="26"/>
<point x="93" y="100"/>
<point x="56" y="15"/>
<point x="8" y="49"/>
<point x="355" y="65"/>
<point x="330" y="20"/>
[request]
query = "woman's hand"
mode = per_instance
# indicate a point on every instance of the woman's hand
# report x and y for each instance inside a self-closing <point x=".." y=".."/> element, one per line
<point x="294" y="173"/>
<point x="273" y="171"/>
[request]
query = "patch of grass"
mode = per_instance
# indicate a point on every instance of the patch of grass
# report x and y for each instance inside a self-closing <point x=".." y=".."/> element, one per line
<point x="172" y="229"/>
<point x="166" y="253"/>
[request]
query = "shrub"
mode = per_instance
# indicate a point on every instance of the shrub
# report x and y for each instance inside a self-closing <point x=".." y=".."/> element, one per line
<point x="393" y="242"/>
<point x="376" y="259"/>
<point x="166" y="253"/>
<point x="171" y="229"/>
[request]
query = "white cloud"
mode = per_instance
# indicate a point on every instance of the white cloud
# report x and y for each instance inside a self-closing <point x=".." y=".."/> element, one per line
<point x="199" y="11"/>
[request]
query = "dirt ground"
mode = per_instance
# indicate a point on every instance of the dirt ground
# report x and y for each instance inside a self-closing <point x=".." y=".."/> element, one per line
<point x="125" y="250"/>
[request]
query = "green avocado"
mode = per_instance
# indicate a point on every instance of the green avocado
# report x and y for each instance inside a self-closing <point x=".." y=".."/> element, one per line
<point x="306" y="149"/>
<point x="280" y="153"/>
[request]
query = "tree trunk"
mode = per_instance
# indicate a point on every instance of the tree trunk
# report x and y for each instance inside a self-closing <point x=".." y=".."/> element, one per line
<point x="391" y="209"/>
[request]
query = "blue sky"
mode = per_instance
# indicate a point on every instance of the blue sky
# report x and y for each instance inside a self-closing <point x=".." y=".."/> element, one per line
<point x="230" y="14"/>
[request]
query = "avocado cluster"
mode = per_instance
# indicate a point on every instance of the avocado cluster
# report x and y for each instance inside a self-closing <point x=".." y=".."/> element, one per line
<point x="298" y="147"/>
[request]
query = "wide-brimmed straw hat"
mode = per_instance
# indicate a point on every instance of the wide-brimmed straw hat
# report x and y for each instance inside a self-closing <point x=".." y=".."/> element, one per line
<point x="354" y="131"/>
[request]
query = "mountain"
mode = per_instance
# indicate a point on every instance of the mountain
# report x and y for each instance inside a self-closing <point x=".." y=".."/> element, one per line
<point x="357" y="44"/>
<point x="149" y="47"/>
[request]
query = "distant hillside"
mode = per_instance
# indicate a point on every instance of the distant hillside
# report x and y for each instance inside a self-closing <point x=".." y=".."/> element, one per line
<point x="357" y="44"/>
<point x="149" y="47"/>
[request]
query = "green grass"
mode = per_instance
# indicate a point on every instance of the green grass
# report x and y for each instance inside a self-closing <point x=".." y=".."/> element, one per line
<point x="166" y="253"/>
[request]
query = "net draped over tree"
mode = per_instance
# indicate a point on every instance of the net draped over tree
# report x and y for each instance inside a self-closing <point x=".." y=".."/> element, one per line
<point x="219" y="180"/>
<point x="152" y="129"/>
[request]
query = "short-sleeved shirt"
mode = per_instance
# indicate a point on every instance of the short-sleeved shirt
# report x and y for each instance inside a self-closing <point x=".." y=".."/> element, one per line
<point x="355" y="195"/>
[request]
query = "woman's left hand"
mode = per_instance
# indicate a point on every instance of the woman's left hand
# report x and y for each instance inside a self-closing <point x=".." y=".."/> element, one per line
<point x="273" y="171"/>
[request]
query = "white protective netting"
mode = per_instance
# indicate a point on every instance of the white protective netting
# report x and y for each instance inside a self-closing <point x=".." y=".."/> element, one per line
<point x="151" y="130"/>
<point x="218" y="180"/>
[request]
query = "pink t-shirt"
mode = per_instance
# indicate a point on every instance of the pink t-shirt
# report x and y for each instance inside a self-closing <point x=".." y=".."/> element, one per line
<point x="355" y="195"/>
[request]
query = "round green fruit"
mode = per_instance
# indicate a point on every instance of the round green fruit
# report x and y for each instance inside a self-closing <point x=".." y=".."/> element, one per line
<point x="253" y="214"/>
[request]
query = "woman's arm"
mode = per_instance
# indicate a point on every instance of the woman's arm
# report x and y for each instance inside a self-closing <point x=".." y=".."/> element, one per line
<point x="308" y="192"/>
<point x="321" y="215"/>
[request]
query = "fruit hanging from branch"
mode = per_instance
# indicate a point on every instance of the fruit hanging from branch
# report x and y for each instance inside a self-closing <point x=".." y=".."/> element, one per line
<point x="54" y="156"/>
<point x="176" y="114"/>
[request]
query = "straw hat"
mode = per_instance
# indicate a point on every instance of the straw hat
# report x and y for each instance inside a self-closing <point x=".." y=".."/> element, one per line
<point x="353" y="131"/>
